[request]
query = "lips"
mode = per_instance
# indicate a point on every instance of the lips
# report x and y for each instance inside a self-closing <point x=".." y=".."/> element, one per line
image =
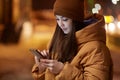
<point x="64" y="28"/>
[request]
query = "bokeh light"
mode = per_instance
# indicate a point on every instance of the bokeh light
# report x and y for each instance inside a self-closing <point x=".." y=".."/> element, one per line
<point x="111" y="28"/>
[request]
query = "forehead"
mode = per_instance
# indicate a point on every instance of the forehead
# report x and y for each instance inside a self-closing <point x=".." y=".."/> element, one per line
<point x="59" y="16"/>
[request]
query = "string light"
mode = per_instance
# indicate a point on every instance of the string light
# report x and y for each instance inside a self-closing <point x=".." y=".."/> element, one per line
<point x="115" y="1"/>
<point x="97" y="8"/>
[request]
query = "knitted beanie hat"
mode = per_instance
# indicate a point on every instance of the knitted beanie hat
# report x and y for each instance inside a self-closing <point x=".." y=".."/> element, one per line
<point x="73" y="9"/>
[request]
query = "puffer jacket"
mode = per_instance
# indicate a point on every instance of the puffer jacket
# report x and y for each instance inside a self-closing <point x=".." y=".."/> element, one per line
<point x="93" y="60"/>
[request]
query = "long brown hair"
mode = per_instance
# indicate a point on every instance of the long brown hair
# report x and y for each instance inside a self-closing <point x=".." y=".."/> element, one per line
<point x="63" y="45"/>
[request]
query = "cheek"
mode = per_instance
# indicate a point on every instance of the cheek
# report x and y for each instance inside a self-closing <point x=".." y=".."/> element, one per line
<point x="70" y="28"/>
<point x="69" y="25"/>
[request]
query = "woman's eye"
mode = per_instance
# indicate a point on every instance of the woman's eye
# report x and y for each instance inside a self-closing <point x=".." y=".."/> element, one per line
<point x="65" y="19"/>
<point x="57" y="19"/>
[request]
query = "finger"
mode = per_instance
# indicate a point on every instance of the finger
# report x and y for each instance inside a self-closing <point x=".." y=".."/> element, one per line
<point x="42" y="64"/>
<point x="49" y="65"/>
<point x="43" y="53"/>
<point x="47" y="61"/>
<point x="36" y="59"/>
<point x="50" y="68"/>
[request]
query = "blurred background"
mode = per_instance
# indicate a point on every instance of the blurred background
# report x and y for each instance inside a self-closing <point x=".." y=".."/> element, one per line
<point x="26" y="24"/>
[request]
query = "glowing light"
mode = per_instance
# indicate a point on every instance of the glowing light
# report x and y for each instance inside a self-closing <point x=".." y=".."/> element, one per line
<point x="115" y="1"/>
<point x="98" y="6"/>
<point x="106" y="27"/>
<point x="118" y="24"/>
<point x="108" y="19"/>
<point x="94" y="10"/>
<point x="27" y="29"/>
<point x="111" y="27"/>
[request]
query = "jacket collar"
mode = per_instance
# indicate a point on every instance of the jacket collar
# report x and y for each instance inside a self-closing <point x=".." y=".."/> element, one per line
<point x="93" y="31"/>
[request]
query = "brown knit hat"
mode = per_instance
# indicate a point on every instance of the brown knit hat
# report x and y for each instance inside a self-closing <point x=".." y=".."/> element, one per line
<point x="73" y="9"/>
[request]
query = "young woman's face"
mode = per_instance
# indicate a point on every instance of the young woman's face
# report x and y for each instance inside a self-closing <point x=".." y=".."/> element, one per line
<point x="64" y="23"/>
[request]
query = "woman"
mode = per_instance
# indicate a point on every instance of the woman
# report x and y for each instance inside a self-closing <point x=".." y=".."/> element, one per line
<point x="78" y="48"/>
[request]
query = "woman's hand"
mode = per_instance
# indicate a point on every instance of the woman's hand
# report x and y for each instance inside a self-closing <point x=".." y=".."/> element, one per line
<point x="53" y="65"/>
<point x="45" y="53"/>
<point x="41" y="65"/>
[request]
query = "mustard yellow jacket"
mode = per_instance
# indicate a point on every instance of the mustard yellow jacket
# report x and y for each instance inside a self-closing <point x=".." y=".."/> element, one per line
<point x="93" y="60"/>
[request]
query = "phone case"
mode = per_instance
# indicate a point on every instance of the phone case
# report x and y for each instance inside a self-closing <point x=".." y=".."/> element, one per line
<point x="37" y="53"/>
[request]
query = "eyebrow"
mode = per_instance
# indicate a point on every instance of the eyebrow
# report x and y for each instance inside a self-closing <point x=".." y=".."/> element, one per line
<point x="62" y="17"/>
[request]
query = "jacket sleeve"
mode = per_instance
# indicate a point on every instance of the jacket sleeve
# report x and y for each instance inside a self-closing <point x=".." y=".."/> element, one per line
<point x="69" y="72"/>
<point x="95" y="65"/>
<point x="36" y="75"/>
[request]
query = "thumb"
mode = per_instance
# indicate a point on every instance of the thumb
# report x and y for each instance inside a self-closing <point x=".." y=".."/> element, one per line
<point x="37" y="60"/>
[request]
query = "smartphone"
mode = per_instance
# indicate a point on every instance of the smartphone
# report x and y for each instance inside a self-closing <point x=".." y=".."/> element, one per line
<point x="37" y="53"/>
